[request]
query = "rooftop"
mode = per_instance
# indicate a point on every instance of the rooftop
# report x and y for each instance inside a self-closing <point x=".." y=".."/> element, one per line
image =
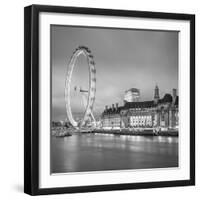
<point x="141" y="104"/>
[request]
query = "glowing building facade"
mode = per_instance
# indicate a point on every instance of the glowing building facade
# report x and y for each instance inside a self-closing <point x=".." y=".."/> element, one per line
<point x="160" y="114"/>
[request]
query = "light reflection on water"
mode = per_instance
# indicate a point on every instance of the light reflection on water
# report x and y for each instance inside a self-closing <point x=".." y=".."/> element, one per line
<point x="89" y="152"/>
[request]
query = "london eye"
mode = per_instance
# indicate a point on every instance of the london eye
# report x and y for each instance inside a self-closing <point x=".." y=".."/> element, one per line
<point x="88" y="94"/>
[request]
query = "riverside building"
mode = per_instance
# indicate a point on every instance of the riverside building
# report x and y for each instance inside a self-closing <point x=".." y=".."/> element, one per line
<point x="159" y="114"/>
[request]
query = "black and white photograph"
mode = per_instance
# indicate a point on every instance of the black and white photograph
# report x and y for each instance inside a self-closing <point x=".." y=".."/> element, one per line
<point x="114" y="99"/>
<point x="109" y="99"/>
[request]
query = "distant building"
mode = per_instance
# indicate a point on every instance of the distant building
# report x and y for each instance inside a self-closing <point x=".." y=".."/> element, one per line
<point x="157" y="114"/>
<point x="60" y="124"/>
<point x="132" y="95"/>
<point x="56" y="124"/>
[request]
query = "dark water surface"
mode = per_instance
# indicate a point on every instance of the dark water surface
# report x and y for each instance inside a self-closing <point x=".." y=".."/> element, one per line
<point x="89" y="152"/>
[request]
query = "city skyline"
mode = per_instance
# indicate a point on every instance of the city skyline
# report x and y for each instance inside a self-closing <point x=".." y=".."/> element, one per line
<point x="124" y="59"/>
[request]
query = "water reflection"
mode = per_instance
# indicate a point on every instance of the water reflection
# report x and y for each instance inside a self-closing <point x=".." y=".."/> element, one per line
<point x="97" y="152"/>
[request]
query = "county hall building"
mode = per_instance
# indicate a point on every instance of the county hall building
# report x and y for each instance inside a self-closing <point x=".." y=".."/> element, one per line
<point x="160" y="114"/>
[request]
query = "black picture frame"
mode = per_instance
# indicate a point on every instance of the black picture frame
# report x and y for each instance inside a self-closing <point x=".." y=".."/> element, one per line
<point x="31" y="98"/>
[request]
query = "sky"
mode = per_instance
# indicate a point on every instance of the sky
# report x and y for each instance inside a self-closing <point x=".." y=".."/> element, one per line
<point x="125" y="58"/>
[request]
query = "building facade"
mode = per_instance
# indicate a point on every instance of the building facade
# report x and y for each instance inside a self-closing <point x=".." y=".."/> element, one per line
<point x="158" y="114"/>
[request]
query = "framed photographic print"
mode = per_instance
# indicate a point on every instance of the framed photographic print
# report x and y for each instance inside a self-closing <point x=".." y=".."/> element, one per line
<point x="109" y="99"/>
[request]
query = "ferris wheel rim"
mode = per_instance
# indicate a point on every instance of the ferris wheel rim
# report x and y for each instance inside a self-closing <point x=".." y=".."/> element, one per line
<point x="92" y="84"/>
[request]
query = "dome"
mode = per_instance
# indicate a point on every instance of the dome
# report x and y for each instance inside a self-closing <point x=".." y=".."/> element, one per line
<point x="167" y="98"/>
<point x="133" y="90"/>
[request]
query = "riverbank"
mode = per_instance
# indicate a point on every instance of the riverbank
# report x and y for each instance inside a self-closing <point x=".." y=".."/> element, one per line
<point x="63" y="132"/>
<point x="142" y="133"/>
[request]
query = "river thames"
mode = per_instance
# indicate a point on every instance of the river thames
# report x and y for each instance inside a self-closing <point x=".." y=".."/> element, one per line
<point x="97" y="152"/>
